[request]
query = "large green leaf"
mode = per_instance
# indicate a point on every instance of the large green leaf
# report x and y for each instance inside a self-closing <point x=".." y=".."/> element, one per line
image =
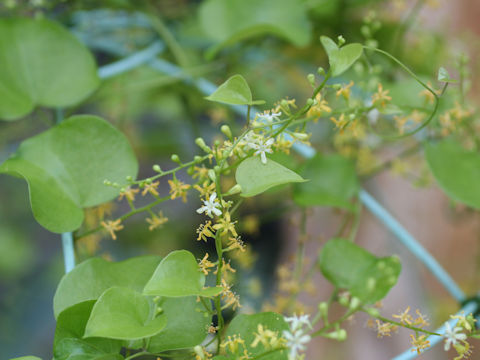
<point x="76" y="349"/>
<point x="230" y="21"/>
<point x="125" y="314"/>
<point x="178" y="275"/>
<point x="70" y="330"/>
<point x="348" y="266"/>
<point x="65" y="168"/>
<point x="246" y="326"/>
<point x="88" y="280"/>
<point x="187" y="323"/>
<point x="341" y="59"/>
<point x="333" y="182"/>
<point x="254" y="177"/>
<point x="456" y="170"/>
<point x="41" y="63"/>
<point x="234" y="91"/>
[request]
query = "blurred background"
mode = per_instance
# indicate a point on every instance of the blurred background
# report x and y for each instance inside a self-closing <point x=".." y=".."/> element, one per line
<point x="161" y="114"/>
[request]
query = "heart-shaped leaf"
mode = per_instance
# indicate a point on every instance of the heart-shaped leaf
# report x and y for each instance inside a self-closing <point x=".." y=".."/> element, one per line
<point x="187" y="322"/>
<point x="341" y="59"/>
<point x="70" y="330"/>
<point x="333" y="182"/>
<point x="178" y="275"/>
<point x="456" y="170"/>
<point x="88" y="280"/>
<point x="254" y="177"/>
<point x="122" y="313"/>
<point x="65" y="168"/>
<point x="234" y="91"/>
<point x="41" y="63"/>
<point x="444" y="76"/>
<point x="348" y="266"/>
<point x="246" y="326"/>
<point x="230" y="21"/>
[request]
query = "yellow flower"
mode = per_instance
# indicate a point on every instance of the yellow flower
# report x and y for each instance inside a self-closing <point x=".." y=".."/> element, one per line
<point x="384" y="329"/>
<point x="341" y="123"/>
<point x="151" y="188"/>
<point x="156" y="221"/>
<point x="112" y="226"/>
<point x="381" y="96"/>
<point x="205" y="190"/>
<point x="345" y="91"/>
<point x="200" y="173"/>
<point x="421" y="320"/>
<point x="178" y="189"/>
<point x="128" y="193"/>
<point x="233" y="343"/>
<point x="268" y="338"/>
<point x="205" y="231"/>
<point x="419" y="343"/>
<point x="404" y="317"/>
<point x="319" y="108"/>
<point x="225" y="225"/>
<point x="205" y="264"/>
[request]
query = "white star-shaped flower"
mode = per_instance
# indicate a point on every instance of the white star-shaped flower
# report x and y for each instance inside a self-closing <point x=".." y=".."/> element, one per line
<point x="269" y="117"/>
<point x="210" y="206"/>
<point x="263" y="147"/>
<point x="296" y="342"/>
<point x="297" y="322"/>
<point x="451" y="336"/>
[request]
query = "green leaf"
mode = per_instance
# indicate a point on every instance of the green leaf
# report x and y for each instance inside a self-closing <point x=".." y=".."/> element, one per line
<point x="333" y="182"/>
<point x="122" y="313"/>
<point x="88" y="280"/>
<point x="230" y="21"/>
<point x="27" y="358"/>
<point x="65" y="168"/>
<point x="456" y="170"/>
<point x="76" y="349"/>
<point x="341" y="59"/>
<point x="444" y="76"/>
<point x="246" y="326"/>
<point x="51" y="67"/>
<point x="348" y="266"/>
<point x="71" y="325"/>
<point x="178" y="275"/>
<point x="234" y="91"/>
<point x="254" y="177"/>
<point x="187" y="322"/>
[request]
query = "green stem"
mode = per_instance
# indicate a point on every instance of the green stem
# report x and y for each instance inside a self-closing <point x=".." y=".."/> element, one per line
<point x="416" y="329"/>
<point x="218" y="305"/>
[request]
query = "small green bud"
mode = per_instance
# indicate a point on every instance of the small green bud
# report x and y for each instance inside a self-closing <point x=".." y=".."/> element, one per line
<point x="201" y="144"/>
<point x="217" y="143"/>
<point x="300" y="136"/>
<point x="365" y="30"/>
<point x="310" y="102"/>
<point x="236" y="189"/>
<point x="107" y="182"/>
<point x="175" y="158"/>
<point x="129" y="178"/>
<point x="212" y="175"/>
<point x="340" y="335"/>
<point x="323" y="308"/>
<point x="190" y="170"/>
<point x="157" y="168"/>
<point x="354" y="303"/>
<point x="284" y="103"/>
<point x="225" y="129"/>
<point x="217" y="169"/>
<point x="343" y="300"/>
<point x="340" y="40"/>
<point x="373" y="312"/>
<point x="311" y="79"/>
<point x="197" y="158"/>
<point x="320" y="71"/>
<point x="158" y="311"/>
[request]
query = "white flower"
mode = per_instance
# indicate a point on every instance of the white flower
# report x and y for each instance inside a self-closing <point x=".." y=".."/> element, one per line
<point x="297" y="322"/>
<point x="295" y="341"/>
<point x="211" y="205"/>
<point x="262" y="148"/>
<point x="451" y="336"/>
<point x="269" y="117"/>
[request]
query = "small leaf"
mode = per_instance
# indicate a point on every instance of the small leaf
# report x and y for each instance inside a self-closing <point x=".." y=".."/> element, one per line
<point x="444" y="76"/>
<point x="122" y="313"/>
<point x="348" y="266"/>
<point x="178" y="275"/>
<point x="234" y="91"/>
<point x="246" y="326"/>
<point x="187" y="321"/>
<point x="88" y="280"/>
<point x="65" y="168"/>
<point x="341" y="59"/>
<point x="254" y="177"/>
<point x="51" y="67"/>
<point x="456" y="170"/>
<point x="333" y="182"/>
